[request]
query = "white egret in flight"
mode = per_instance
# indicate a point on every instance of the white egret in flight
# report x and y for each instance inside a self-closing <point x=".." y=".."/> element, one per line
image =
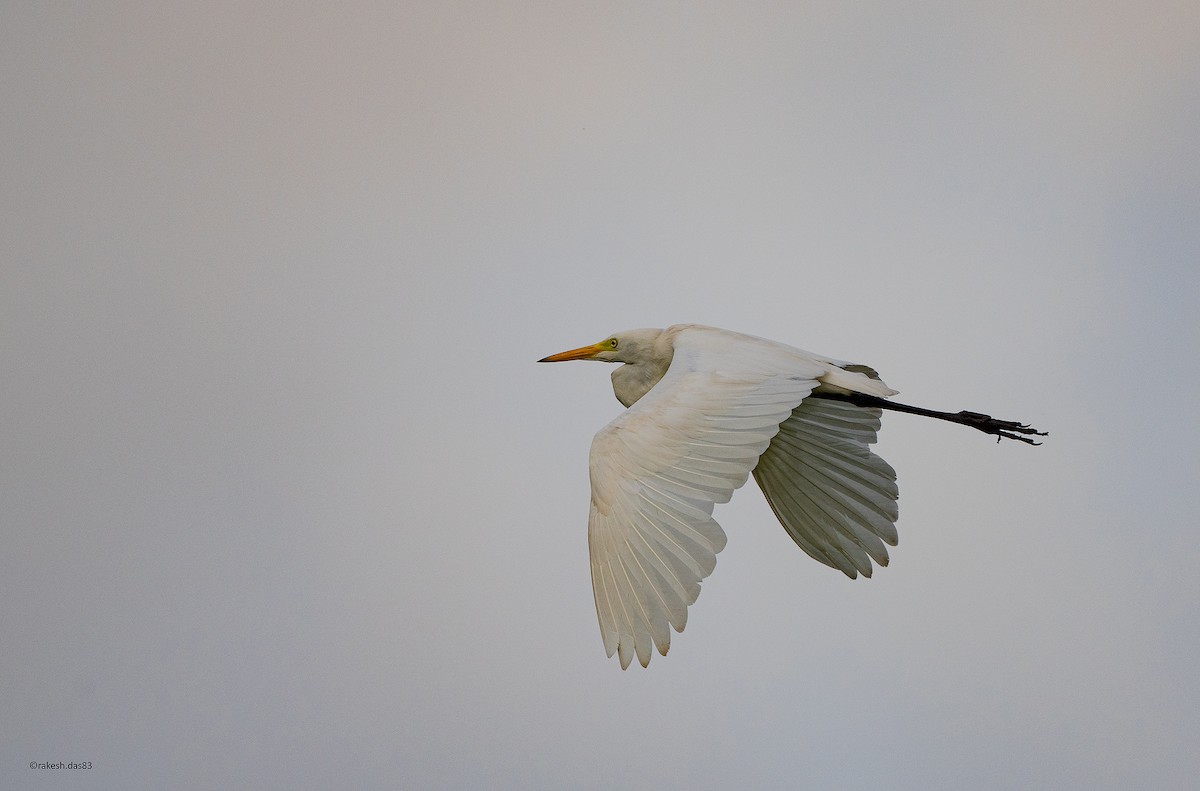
<point x="707" y="407"/>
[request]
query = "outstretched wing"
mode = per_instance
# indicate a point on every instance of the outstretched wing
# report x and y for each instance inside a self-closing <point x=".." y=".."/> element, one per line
<point x="658" y="469"/>
<point x="835" y="498"/>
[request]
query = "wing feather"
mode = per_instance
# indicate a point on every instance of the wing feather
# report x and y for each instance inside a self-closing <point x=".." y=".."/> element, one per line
<point x="661" y="466"/>
<point x="835" y="498"/>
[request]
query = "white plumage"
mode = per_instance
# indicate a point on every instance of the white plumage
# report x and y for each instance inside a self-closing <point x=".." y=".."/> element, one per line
<point x="706" y="408"/>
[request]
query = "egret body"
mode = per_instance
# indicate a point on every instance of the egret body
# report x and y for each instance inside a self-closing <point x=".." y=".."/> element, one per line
<point x="706" y="408"/>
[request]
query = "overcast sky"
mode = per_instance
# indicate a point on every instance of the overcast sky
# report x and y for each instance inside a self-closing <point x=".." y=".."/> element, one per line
<point x="285" y="501"/>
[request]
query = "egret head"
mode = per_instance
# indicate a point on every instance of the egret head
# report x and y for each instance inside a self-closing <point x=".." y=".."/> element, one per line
<point x="630" y="346"/>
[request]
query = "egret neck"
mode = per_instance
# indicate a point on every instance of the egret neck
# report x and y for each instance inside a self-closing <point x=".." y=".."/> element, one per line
<point x="646" y="355"/>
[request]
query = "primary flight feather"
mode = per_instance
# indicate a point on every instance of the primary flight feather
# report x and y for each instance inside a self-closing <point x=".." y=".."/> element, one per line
<point x="706" y="408"/>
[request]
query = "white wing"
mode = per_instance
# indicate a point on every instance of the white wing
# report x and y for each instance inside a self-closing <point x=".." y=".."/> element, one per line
<point x="835" y="498"/>
<point x="658" y="469"/>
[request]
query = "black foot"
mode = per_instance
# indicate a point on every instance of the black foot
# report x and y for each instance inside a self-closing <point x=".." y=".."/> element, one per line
<point x="1003" y="429"/>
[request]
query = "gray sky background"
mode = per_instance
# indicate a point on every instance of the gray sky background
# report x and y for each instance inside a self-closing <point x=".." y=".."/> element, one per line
<point x="286" y="502"/>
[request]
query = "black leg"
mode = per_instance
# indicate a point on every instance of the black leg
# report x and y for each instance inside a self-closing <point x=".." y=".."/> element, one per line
<point x="1003" y="429"/>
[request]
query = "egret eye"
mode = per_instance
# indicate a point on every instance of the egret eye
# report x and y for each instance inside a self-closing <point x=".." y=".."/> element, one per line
<point x="613" y="343"/>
